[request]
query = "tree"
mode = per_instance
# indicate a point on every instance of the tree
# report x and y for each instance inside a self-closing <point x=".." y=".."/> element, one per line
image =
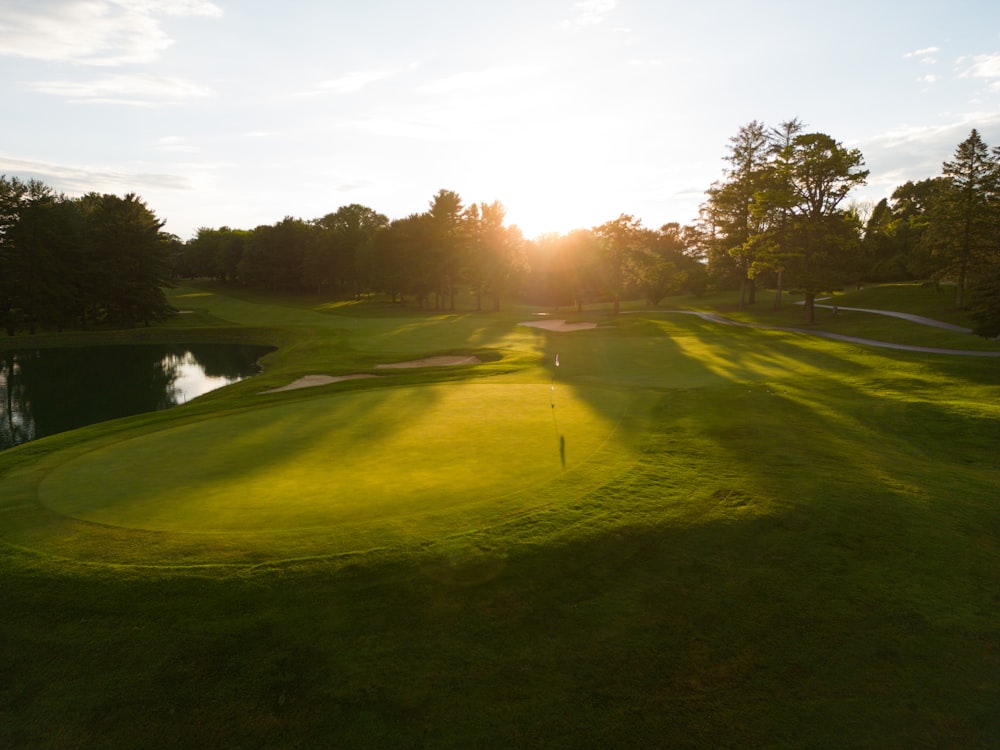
<point x="338" y="252"/>
<point x="124" y="242"/>
<point x="495" y="251"/>
<point x="273" y="256"/>
<point x="813" y="175"/>
<point x="448" y="243"/>
<point x="964" y="219"/>
<point x="730" y="202"/>
<point x="984" y="307"/>
<point x="564" y="268"/>
<point x="665" y="263"/>
<point x="50" y="269"/>
<point x="617" y="240"/>
<point x="403" y="258"/>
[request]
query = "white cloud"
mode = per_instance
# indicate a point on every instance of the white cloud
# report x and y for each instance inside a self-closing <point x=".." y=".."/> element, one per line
<point x="92" y="32"/>
<point x="173" y="7"/>
<point x="924" y="52"/>
<point x="354" y="81"/>
<point x="982" y="66"/>
<point x="134" y="90"/>
<point x="928" y="79"/>
<point x="475" y="79"/>
<point x="590" y="13"/>
<point x="76" y="179"/>
<point x="917" y="152"/>
<point x="175" y="144"/>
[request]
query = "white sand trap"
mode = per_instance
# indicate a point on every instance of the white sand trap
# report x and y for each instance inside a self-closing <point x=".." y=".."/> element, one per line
<point x="309" y="381"/>
<point x="559" y="325"/>
<point x="432" y="362"/>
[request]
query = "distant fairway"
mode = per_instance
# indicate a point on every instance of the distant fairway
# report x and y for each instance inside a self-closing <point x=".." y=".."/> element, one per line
<point x="341" y="459"/>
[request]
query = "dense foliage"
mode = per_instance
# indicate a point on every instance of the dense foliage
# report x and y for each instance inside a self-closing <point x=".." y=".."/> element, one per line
<point x="779" y="217"/>
<point x="68" y="262"/>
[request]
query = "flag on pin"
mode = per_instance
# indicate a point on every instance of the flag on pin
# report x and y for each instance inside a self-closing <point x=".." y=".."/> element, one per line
<point x="557" y="360"/>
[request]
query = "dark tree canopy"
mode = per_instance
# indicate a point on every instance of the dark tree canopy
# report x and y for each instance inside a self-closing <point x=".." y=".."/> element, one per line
<point x="72" y="262"/>
<point x="779" y="216"/>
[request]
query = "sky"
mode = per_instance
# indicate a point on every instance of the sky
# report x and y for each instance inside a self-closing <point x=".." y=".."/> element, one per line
<point x="569" y="112"/>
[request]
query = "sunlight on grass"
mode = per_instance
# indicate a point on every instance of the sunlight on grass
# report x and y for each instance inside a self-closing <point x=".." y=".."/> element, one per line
<point x="336" y="460"/>
<point x="759" y="539"/>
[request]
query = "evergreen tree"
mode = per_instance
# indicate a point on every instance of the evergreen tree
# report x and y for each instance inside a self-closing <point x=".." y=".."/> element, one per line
<point x="963" y="222"/>
<point x="128" y="259"/>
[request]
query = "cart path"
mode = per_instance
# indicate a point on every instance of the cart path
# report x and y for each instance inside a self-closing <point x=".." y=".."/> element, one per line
<point x="905" y="316"/>
<point x="716" y="318"/>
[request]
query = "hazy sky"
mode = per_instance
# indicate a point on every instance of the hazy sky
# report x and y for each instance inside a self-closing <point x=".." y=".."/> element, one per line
<point x="570" y="113"/>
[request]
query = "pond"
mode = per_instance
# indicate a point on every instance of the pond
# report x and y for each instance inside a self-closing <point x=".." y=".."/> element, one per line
<point x="45" y="391"/>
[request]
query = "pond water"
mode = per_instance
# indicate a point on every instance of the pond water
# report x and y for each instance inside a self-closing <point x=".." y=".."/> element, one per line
<point x="45" y="391"/>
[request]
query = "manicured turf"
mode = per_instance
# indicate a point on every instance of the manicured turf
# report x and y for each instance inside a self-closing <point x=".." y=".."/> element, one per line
<point x="758" y="539"/>
<point x="360" y="458"/>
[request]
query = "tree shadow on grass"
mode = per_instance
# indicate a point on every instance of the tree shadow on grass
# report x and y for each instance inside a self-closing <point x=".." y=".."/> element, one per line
<point x="695" y="631"/>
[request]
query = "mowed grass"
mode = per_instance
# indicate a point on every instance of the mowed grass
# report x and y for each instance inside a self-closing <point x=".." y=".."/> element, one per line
<point x="759" y="539"/>
<point x="361" y="458"/>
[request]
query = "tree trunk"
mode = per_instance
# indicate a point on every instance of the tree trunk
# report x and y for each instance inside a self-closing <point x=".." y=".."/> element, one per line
<point x="777" y="294"/>
<point x="960" y="287"/>
<point x="810" y="307"/>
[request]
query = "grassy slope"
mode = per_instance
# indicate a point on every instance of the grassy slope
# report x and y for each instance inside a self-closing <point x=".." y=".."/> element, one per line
<point x="796" y="547"/>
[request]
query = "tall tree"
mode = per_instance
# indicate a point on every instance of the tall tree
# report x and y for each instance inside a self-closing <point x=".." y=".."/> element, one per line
<point x="963" y="221"/>
<point x="336" y="256"/>
<point x="565" y="268"/>
<point x="403" y="260"/>
<point x="664" y="263"/>
<point x="449" y="242"/>
<point x="731" y="201"/>
<point x="495" y="251"/>
<point x="124" y="234"/>
<point x="814" y="174"/>
<point x="273" y="255"/>
<point x="618" y="240"/>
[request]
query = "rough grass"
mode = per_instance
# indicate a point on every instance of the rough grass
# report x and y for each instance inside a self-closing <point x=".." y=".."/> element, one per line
<point x="793" y="544"/>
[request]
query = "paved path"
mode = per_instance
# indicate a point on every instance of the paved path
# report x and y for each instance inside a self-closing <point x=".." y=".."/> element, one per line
<point x="905" y="316"/>
<point x="716" y="318"/>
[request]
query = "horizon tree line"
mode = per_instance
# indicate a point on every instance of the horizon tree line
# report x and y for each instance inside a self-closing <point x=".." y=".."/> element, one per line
<point x="779" y="217"/>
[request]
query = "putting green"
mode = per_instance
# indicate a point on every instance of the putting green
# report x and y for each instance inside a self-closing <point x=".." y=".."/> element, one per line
<point x="349" y="458"/>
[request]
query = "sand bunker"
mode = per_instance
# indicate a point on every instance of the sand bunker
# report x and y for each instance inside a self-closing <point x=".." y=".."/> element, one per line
<point x="559" y="325"/>
<point x="309" y="381"/>
<point x="312" y="380"/>
<point x="432" y="362"/>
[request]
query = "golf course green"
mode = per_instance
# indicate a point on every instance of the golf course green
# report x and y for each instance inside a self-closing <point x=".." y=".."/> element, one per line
<point x="661" y="531"/>
<point x="367" y="457"/>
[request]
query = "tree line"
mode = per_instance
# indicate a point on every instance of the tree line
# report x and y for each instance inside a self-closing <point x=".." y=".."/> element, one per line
<point x="75" y="262"/>
<point x="451" y="248"/>
<point x="779" y="218"/>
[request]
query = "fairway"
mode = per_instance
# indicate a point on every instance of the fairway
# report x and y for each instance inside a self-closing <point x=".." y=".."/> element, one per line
<point x="684" y="534"/>
<point x="341" y="459"/>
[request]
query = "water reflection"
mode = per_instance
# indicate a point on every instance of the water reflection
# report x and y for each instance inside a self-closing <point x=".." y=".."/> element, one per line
<point x="45" y="391"/>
